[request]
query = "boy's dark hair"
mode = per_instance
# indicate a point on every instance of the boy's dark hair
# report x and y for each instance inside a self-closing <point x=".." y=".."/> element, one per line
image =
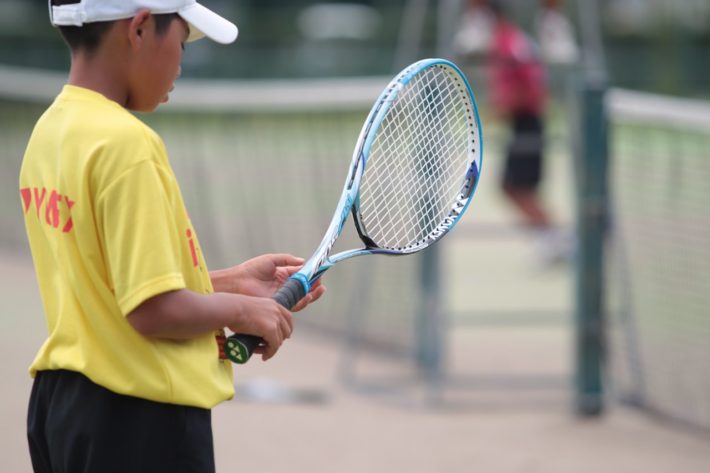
<point x="88" y="37"/>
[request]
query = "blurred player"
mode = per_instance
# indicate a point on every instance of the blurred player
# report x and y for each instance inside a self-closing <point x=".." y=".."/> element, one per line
<point x="518" y="92"/>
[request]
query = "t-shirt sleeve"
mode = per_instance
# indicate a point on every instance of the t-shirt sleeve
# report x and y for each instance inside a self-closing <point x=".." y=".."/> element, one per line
<point x="138" y="230"/>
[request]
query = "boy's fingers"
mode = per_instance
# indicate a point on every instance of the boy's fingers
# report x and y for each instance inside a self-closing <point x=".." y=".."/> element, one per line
<point x="291" y="269"/>
<point x="317" y="293"/>
<point x="284" y="259"/>
<point x="309" y="298"/>
<point x="302" y="303"/>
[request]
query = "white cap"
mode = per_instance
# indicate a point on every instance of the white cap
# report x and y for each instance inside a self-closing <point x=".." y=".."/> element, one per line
<point x="203" y="21"/>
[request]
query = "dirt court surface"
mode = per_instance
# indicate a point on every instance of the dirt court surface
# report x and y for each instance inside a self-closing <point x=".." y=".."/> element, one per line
<point x="330" y="428"/>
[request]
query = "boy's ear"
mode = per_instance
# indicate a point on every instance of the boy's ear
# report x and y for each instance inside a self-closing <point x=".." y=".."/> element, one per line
<point x="137" y="27"/>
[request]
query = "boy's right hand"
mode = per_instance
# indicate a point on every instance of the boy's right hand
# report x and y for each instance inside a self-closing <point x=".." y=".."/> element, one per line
<point x="265" y="318"/>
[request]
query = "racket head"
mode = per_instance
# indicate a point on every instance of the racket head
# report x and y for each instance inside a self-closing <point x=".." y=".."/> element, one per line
<point x="360" y="194"/>
<point x="421" y="153"/>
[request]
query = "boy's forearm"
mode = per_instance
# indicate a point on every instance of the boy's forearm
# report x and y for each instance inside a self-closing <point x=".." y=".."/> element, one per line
<point x="184" y="314"/>
<point x="225" y="280"/>
<point x="220" y="281"/>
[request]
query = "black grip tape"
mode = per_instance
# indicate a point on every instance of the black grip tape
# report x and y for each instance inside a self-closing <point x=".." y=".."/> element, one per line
<point x="290" y="293"/>
<point x="238" y="347"/>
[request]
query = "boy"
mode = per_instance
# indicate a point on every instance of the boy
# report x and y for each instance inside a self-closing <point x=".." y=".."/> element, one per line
<point x="132" y="365"/>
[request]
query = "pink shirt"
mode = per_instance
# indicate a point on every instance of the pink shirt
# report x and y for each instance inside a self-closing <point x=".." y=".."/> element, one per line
<point x="516" y="77"/>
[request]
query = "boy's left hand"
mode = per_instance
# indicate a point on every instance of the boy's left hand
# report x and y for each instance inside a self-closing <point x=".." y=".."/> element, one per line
<point x="263" y="276"/>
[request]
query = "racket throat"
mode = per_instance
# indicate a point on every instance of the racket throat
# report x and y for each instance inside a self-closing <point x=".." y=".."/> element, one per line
<point x="305" y="282"/>
<point x="369" y="243"/>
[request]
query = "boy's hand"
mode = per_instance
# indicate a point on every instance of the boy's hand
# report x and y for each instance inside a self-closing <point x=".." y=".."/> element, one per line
<point x="267" y="319"/>
<point x="262" y="277"/>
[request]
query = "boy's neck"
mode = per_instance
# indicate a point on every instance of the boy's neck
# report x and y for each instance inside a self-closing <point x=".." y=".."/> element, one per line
<point x="106" y="69"/>
<point x="100" y="74"/>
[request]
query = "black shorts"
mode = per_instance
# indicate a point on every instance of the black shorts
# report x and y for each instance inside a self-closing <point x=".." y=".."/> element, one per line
<point x="523" y="164"/>
<point x="75" y="425"/>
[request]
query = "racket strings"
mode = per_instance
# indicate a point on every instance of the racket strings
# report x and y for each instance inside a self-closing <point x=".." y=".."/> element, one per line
<point x="412" y="226"/>
<point x="417" y="161"/>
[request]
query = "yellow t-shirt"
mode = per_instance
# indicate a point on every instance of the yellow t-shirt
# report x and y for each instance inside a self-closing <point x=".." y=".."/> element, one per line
<point x="108" y="229"/>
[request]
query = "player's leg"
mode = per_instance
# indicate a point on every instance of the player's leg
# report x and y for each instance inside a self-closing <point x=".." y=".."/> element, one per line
<point x="36" y="425"/>
<point x="522" y="171"/>
<point x="89" y="428"/>
<point x="522" y="176"/>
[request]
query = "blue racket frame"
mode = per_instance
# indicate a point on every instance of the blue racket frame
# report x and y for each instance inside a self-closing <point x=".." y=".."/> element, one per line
<point x="349" y="201"/>
<point x="239" y="347"/>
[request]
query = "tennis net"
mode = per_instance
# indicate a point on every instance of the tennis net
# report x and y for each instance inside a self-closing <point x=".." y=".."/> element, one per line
<point x="658" y="271"/>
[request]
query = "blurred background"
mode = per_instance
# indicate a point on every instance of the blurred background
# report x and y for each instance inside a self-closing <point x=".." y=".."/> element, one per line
<point x="489" y="350"/>
<point x="655" y="45"/>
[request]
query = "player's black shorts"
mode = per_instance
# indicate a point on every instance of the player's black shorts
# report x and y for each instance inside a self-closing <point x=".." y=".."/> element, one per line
<point x="75" y="425"/>
<point x="523" y="164"/>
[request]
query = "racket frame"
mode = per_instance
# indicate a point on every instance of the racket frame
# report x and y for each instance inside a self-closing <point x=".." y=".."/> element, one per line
<point x="349" y="202"/>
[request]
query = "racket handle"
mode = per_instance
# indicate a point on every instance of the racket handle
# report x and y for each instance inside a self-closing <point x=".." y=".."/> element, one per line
<point x="239" y="347"/>
<point x="290" y="293"/>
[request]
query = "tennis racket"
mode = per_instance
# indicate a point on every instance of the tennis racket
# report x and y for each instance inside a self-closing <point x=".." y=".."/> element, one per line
<point x="414" y="170"/>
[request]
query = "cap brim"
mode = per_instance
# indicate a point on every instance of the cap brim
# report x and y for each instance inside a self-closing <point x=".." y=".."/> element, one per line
<point x="204" y="22"/>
